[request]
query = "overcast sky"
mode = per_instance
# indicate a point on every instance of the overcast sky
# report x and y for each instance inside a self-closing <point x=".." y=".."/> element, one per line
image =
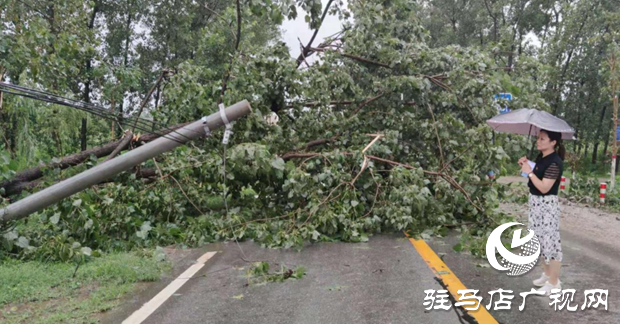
<point x="291" y="29"/>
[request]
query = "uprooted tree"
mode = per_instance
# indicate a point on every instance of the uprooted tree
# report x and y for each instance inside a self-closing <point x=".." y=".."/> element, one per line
<point x="382" y="133"/>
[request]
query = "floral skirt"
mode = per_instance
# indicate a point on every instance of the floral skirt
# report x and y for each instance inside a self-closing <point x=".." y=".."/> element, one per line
<point x="544" y="220"/>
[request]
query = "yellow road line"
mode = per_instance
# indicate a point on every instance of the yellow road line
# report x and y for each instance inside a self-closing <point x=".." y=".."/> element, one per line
<point x="453" y="284"/>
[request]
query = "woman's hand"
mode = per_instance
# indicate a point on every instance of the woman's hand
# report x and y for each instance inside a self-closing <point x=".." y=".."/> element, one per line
<point x="526" y="168"/>
<point x="522" y="160"/>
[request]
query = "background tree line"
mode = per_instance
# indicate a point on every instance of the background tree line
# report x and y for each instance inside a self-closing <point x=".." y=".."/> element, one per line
<point x="567" y="57"/>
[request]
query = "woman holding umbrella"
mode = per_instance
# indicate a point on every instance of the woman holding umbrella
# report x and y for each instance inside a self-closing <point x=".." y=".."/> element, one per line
<point x="544" y="216"/>
<point x="544" y="182"/>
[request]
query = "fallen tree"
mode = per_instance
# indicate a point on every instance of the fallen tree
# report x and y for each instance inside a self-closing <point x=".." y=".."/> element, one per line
<point x="26" y="179"/>
<point x="19" y="187"/>
<point x="409" y="151"/>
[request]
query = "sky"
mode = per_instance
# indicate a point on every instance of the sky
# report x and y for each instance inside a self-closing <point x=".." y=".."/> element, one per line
<point x="291" y="29"/>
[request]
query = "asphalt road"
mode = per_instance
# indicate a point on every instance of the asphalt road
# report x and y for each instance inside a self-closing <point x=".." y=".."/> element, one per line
<point x="383" y="281"/>
<point x="586" y="265"/>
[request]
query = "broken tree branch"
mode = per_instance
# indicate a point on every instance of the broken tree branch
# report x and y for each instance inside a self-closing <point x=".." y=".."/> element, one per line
<point x="430" y="110"/>
<point x="353" y="57"/>
<point x="322" y="141"/>
<point x="446" y="177"/>
<point x="148" y="96"/>
<point x="314" y="104"/>
<point x="121" y="146"/>
<point x="238" y="26"/>
<point x="78" y="158"/>
<point x="301" y="47"/>
<point x="19" y="187"/>
<point x="232" y="59"/>
<point x="366" y="102"/>
<point x="306" y="50"/>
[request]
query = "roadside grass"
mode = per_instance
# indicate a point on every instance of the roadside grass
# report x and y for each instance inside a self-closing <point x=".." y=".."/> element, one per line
<point x="38" y="292"/>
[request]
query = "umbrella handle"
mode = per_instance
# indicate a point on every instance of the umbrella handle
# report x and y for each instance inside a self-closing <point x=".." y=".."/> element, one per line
<point x="532" y="150"/>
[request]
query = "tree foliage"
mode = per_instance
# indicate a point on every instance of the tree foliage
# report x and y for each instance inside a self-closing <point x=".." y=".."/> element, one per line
<point x="385" y="133"/>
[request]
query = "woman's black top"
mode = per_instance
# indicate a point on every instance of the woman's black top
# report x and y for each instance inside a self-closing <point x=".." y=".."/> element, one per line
<point x="549" y="167"/>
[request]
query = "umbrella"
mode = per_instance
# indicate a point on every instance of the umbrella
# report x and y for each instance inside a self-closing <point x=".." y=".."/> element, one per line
<point x="530" y="122"/>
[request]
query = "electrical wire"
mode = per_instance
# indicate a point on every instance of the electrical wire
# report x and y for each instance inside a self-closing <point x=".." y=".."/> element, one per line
<point x="141" y="123"/>
<point x="245" y="258"/>
<point x="52" y="98"/>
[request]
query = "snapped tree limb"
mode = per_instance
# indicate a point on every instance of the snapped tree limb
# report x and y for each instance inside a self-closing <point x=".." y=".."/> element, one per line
<point x="35" y="173"/>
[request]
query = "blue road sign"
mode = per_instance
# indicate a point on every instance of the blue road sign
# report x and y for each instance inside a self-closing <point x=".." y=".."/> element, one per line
<point x="504" y="96"/>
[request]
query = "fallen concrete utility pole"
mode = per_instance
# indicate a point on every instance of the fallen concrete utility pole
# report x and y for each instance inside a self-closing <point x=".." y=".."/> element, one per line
<point x="108" y="169"/>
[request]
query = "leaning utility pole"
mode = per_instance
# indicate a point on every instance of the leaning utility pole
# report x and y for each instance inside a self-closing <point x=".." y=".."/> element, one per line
<point x="108" y="169"/>
<point x="614" y="96"/>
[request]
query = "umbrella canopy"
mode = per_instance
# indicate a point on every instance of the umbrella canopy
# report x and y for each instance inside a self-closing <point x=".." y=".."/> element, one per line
<point x="530" y="122"/>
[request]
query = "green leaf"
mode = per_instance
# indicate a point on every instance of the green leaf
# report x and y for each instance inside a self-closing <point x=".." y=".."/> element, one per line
<point x="278" y="163"/>
<point x="54" y="219"/>
<point x="107" y="200"/>
<point x="11" y="236"/>
<point x="299" y="272"/>
<point x="23" y="242"/>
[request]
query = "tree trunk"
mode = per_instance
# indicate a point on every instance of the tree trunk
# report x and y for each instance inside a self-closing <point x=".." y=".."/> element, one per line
<point x="598" y="133"/>
<point x="544" y="38"/>
<point x="121" y="146"/>
<point x="119" y="131"/>
<point x="16" y="189"/>
<point x="510" y="58"/>
<point x="83" y="135"/>
<point x="13" y="137"/>
<point x="594" y="152"/>
<point x="78" y="158"/>
<point x="559" y="85"/>
<point x="84" y="130"/>
<point x="157" y="97"/>
<point x="2" y="117"/>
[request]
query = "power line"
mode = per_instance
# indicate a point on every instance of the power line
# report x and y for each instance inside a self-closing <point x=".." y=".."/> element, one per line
<point x="99" y="111"/>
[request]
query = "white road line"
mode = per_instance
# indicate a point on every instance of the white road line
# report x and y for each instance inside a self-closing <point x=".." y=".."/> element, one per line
<point x="147" y="309"/>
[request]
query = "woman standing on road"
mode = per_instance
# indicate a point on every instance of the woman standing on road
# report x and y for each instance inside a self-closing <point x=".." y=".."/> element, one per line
<point x="544" y="216"/>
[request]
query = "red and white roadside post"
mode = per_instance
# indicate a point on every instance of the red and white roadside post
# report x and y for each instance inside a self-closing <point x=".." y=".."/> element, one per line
<point x="563" y="184"/>
<point x="603" y="192"/>
<point x="613" y="170"/>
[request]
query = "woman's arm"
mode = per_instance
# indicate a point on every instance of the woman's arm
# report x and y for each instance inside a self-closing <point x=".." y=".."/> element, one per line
<point x="543" y="185"/>
<point x="549" y="178"/>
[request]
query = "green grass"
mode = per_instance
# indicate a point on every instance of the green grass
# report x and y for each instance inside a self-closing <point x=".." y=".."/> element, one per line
<point x="37" y="292"/>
